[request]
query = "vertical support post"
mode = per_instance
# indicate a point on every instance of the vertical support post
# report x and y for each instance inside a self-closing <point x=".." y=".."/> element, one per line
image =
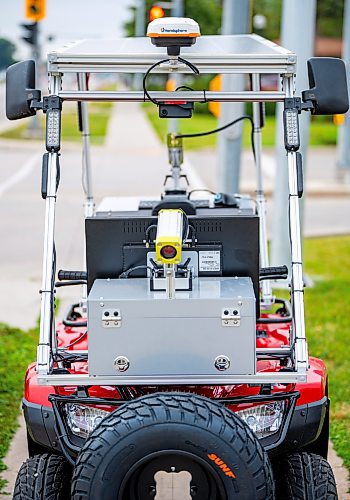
<point x="343" y="147"/>
<point x="139" y="31"/>
<point x="177" y="10"/>
<point x="47" y="336"/>
<point x="235" y="20"/>
<point x="267" y="298"/>
<point x="86" y="158"/>
<point x="303" y="46"/>
<point x="298" y="337"/>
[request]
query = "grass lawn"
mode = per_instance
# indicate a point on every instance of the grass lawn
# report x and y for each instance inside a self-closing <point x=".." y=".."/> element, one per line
<point x="17" y="349"/>
<point x="327" y="261"/>
<point x="99" y="114"/>
<point x="322" y="132"/>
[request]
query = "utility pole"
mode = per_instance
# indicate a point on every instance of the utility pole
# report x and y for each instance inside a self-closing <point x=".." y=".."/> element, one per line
<point x="177" y="10"/>
<point x="35" y="11"/>
<point x="343" y="149"/>
<point x="235" y="20"/>
<point x="293" y="25"/>
<point x="139" y="31"/>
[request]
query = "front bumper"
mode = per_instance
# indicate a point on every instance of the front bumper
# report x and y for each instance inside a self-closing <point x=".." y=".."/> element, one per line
<point x="302" y="427"/>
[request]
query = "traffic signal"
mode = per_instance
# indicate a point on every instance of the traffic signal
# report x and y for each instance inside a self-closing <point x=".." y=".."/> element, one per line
<point x="35" y="9"/>
<point x="31" y="34"/>
<point x="156" y="12"/>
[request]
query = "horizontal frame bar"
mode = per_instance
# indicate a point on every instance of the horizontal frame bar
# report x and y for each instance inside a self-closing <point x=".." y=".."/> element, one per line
<point x="259" y="378"/>
<point x="192" y="96"/>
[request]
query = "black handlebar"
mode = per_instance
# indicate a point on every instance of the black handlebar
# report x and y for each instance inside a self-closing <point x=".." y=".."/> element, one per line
<point x="72" y="275"/>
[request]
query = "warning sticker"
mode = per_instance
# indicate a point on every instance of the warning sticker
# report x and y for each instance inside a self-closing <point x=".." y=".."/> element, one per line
<point x="209" y="261"/>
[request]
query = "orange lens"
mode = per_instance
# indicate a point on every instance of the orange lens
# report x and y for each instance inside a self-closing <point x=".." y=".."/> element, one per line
<point x="168" y="252"/>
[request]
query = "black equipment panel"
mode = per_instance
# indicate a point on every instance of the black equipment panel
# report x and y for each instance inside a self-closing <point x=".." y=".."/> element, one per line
<point x="115" y="243"/>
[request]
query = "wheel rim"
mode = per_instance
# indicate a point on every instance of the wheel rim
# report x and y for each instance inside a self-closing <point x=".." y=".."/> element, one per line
<point x="203" y="483"/>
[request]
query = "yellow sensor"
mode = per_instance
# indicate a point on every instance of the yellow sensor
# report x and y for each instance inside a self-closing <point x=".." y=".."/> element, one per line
<point x="169" y="236"/>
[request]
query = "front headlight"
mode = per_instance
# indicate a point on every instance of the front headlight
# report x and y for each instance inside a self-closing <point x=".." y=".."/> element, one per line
<point x="265" y="419"/>
<point x="83" y="419"/>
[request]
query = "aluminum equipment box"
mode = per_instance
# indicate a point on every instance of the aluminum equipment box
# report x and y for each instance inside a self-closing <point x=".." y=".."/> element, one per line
<point x="210" y="330"/>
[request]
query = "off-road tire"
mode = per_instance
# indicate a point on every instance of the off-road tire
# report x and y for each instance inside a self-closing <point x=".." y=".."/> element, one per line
<point x="159" y="426"/>
<point x="304" y="476"/>
<point x="44" y="477"/>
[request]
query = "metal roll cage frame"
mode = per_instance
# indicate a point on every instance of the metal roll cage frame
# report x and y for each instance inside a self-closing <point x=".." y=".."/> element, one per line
<point x="268" y="59"/>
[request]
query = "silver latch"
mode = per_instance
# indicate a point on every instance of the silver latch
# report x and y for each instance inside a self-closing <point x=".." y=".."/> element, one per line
<point x="230" y="316"/>
<point x="111" y="318"/>
<point x="121" y="363"/>
<point x="222" y="362"/>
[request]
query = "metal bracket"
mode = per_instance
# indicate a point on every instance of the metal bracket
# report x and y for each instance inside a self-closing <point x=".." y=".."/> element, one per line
<point x="111" y="318"/>
<point x="230" y="317"/>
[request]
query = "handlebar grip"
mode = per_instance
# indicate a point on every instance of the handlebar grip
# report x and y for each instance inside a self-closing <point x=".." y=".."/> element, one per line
<point x="274" y="271"/>
<point x="72" y="275"/>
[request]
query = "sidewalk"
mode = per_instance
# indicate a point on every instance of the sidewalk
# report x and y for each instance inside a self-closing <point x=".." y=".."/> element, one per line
<point x="135" y="165"/>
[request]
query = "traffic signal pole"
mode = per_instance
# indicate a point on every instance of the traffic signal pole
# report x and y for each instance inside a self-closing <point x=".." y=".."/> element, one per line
<point x="235" y="20"/>
<point x="300" y="41"/>
<point x="139" y="31"/>
<point x="343" y="146"/>
<point x="177" y="10"/>
<point x="35" y="11"/>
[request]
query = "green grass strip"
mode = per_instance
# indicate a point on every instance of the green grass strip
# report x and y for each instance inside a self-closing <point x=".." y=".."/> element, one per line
<point x="17" y="349"/>
<point x="322" y="131"/>
<point x="99" y="114"/>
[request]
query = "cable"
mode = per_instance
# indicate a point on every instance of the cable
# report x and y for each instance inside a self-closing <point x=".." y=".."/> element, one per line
<point x="148" y="230"/>
<point x="224" y="127"/>
<point x="145" y="91"/>
<point x="76" y="341"/>
<point x="125" y="274"/>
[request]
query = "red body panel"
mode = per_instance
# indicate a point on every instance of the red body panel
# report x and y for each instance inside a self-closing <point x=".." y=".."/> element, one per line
<point x="271" y="335"/>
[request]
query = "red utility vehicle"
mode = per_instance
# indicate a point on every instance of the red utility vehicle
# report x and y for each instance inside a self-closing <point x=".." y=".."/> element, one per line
<point x="179" y="368"/>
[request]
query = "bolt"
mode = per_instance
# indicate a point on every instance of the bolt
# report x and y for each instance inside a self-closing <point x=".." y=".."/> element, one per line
<point x="152" y="490"/>
<point x="240" y="303"/>
<point x="46" y="415"/>
<point x="107" y="323"/>
<point x="101" y="304"/>
<point x="303" y="413"/>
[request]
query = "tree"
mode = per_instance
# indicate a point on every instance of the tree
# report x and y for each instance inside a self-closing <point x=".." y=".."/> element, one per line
<point x="206" y="12"/>
<point x="7" y="50"/>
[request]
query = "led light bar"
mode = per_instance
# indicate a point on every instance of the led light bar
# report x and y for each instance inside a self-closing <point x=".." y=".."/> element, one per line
<point x="53" y="130"/>
<point x="291" y="129"/>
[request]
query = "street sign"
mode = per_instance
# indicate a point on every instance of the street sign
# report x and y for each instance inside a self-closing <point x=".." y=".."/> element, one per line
<point x="35" y="10"/>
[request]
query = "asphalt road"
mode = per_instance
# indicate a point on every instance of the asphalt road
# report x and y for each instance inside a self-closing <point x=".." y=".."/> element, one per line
<point x="133" y="163"/>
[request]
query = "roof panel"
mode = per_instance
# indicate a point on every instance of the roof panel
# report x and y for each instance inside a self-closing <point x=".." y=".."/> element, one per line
<point x="213" y="54"/>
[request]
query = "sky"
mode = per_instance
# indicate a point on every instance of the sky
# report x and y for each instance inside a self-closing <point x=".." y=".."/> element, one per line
<point x="66" y="20"/>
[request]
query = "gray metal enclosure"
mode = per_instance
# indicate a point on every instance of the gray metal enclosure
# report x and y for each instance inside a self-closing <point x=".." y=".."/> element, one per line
<point x="179" y="338"/>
